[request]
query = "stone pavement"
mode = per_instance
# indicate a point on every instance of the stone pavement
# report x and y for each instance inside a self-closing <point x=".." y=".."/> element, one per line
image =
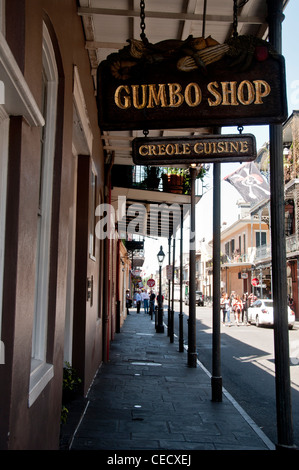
<point x="147" y="398"/>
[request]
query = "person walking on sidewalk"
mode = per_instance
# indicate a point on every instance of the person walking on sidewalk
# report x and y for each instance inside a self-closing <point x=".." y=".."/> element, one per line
<point x="245" y="309"/>
<point x="152" y="302"/>
<point x="138" y="301"/>
<point x="238" y="304"/>
<point x="128" y="302"/>
<point x="145" y="298"/>
<point x="225" y="307"/>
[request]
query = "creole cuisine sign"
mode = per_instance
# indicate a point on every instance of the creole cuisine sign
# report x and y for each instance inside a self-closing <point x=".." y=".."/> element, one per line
<point x="191" y="83"/>
<point x="169" y="151"/>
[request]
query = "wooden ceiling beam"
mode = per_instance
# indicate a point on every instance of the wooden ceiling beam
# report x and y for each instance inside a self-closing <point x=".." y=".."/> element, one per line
<point x="85" y="11"/>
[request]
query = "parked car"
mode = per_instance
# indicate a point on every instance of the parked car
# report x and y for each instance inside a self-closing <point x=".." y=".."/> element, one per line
<point x="261" y="313"/>
<point x="199" y="298"/>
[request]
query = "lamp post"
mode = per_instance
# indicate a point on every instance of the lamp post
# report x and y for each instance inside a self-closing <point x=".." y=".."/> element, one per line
<point x="160" y="326"/>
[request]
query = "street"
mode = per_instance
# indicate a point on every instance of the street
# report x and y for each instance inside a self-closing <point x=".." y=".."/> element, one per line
<point x="247" y="366"/>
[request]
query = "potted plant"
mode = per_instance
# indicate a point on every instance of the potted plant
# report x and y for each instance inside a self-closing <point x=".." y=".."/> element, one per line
<point x="173" y="180"/>
<point x="178" y="180"/>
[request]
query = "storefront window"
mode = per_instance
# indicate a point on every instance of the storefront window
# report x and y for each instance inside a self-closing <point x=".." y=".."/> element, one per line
<point x="41" y="372"/>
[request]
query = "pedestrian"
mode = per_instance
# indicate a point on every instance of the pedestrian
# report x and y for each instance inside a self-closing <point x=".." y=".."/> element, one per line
<point x="128" y="302"/>
<point x="291" y="304"/>
<point x="134" y="299"/>
<point x="238" y="304"/>
<point x="152" y="302"/>
<point x="245" y="309"/>
<point x="145" y="298"/>
<point x="251" y="298"/>
<point x="138" y="301"/>
<point x="225" y="307"/>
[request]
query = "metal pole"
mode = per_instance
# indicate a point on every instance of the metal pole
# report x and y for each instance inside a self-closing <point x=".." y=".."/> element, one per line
<point x="169" y="261"/>
<point x="181" y="316"/>
<point x="192" y="356"/>
<point x="171" y="334"/>
<point x="279" y="277"/>
<point x="216" y="379"/>
<point x="160" y="326"/>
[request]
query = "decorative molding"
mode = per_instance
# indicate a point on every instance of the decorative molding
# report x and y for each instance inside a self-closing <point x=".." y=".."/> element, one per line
<point x="38" y="381"/>
<point x="19" y="100"/>
<point x="83" y="135"/>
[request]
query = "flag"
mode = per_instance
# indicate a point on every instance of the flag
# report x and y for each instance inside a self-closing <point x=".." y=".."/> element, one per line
<point x="250" y="183"/>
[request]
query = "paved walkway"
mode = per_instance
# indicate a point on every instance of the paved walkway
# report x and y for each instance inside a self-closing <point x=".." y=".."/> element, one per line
<point x="146" y="398"/>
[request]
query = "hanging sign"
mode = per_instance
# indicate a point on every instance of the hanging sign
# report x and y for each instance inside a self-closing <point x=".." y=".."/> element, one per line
<point x="171" y="151"/>
<point x="192" y="83"/>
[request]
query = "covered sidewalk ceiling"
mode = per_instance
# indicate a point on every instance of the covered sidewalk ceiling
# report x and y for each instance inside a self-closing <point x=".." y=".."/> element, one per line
<point x="108" y="25"/>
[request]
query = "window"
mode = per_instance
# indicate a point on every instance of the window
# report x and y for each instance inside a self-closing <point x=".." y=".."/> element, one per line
<point x="260" y="238"/>
<point x="93" y="205"/>
<point x="4" y="131"/>
<point x="41" y="372"/>
<point x="289" y="218"/>
<point x="227" y="248"/>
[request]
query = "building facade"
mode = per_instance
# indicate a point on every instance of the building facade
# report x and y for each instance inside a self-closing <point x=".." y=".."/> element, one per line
<point x="61" y="286"/>
<point x="240" y="247"/>
<point x="62" y="277"/>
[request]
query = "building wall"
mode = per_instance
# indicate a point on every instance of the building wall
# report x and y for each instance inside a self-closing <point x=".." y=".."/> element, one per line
<point x="230" y="273"/>
<point x="28" y="423"/>
<point x="249" y="230"/>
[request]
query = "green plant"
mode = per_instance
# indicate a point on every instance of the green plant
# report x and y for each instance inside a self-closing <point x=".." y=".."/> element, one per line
<point x="64" y="414"/>
<point x="71" y="380"/>
<point x="70" y="385"/>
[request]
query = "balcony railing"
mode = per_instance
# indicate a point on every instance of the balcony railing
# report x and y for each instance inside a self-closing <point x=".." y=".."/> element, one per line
<point x="292" y="244"/>
<point x="262" y="252"/>
<point x="152" y="179"/>
<point x="234" y="258"/>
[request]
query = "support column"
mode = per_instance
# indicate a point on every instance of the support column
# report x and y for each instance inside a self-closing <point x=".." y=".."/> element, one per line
<point x="171" y="333"/>
<point x="169" y="262"/>
<point x="192" y="356"/>
<point x="279" y="275"/>
<point x="216" y="380"/>
<point x="181" y="315"/>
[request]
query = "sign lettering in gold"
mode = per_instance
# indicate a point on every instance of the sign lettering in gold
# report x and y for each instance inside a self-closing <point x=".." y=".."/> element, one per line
<point x="160" y="96"/>
<point x="172" y="95"/>
<point x="195" y="149"/>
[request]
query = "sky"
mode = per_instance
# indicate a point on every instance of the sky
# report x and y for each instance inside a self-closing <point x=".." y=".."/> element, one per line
<point x="229" y="195"/>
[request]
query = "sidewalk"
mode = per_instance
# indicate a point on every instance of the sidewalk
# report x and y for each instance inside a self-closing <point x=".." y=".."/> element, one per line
<point x="146" y="398"/>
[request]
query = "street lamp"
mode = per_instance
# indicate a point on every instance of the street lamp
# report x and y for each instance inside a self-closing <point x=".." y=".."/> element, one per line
<point x="160" y="326"/>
